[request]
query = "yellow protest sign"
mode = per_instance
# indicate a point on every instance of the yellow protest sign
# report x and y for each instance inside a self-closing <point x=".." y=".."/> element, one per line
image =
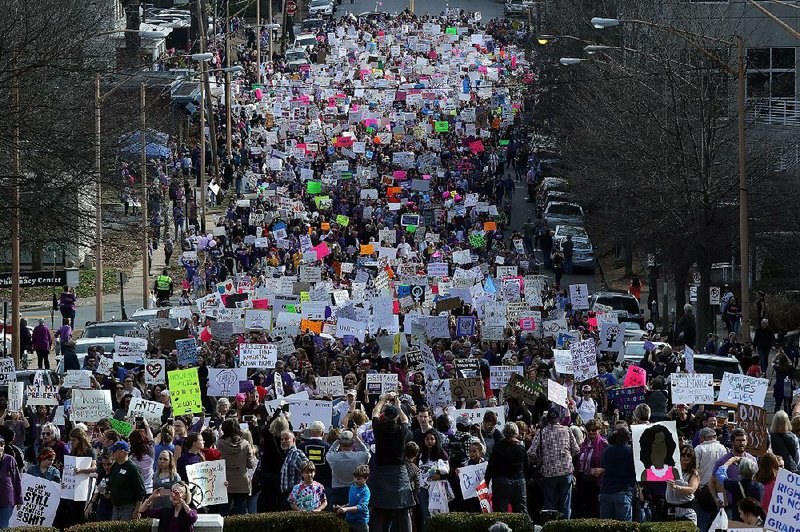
<point x="184" y="387"/>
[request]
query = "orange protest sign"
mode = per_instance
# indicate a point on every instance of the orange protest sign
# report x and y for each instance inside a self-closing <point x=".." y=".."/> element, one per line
<point x="490" y="226"/>
<point x="325" y="226"/>
<point x="309" y="325"/>
<point x="392" y="191"/>
<point x="367" y="249"/>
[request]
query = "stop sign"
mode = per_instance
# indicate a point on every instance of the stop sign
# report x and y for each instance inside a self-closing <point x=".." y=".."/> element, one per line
<point x="291" y="7"/>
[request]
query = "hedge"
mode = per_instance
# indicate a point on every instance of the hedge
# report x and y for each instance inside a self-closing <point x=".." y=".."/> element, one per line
<point x="35" y="529"/>
<point x="285" y="522"/>
<point x="472" y="522"/>
<point x="136" y="525"/>
<point x="609" y="525"/>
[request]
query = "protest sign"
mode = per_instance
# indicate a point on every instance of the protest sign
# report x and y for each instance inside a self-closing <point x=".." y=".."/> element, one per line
<point x="690" y="389"/>
<point x="184" y="388"/>
<point x="105" y="365"/>
<point x="91" y="405"/>
<point x="500" y="375"/>
<point x="467" y="367"/>
<point x="469" y="477"/>
<point x="438" y="393"/>
<point x="75" y="487"/>
<point x="475" y="415"/>
<point x="304" y="413"/>
<point x="347" y="327"/>
<point x="579" y="296"/>
<point x="122" y="427"/>
<point x="16" y="393"/>
<point x="552" y="328"/>
<point x="557" y="393"/>
<point x="467" y="388"/>
<point x="40" y="500"/>
<point x="129" y="350"/>
<point x="380" y="383"/>
<point x="635" y="376"/>
<point x="210" y="477"/>
<point x="258" y="319"/>
<point x="258" y="355"/>
<point x="612" y="336"/>
<point x="753" y="420"/>
<point x="330" y="386"/>
<point x="155" y="372"/>
<point x="187" y="352"/>
<point x="168" y="338"/>
<point x="224" y="382"/>
<point x="7" y="372"/>
<point x="526" y="390"/>
<point x="429" y="363"/>
<point x="563" y="361"/>
<point x="742" y="389"/>
<point x="626" y="399"/>
<point x="77" y="378"/>
<point x="584" y="360"/>
<point x="656" y="453"/>
<point x="783" y="512"/>
<point x="149" y="410"/>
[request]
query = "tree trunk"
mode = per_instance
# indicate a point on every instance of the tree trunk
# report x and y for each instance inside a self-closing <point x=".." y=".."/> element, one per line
<point x="133" y="42"/>
<point x="681" y="279"/>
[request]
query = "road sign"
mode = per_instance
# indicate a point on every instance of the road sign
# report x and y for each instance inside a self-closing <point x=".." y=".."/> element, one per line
<point x="713" y="295"/>
<point x="693" y="294"/>
<point x="649" y="326"/>
<point x="696" y="277"/>
<point x="291" y="7"/>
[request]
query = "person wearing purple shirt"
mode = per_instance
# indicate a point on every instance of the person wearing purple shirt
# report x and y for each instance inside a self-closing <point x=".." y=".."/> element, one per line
<point x="42" y="343"/>
<point x="10" y="485"/>
<point x="739" y="437"/>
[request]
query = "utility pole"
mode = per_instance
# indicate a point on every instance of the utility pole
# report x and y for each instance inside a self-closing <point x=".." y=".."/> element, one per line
<point x="202" y="147"/>
<point x="258" y="43"/>
<point x="15" y="232"/>
<point x="145" y="250"/>
<point x="229" y="136"/>
<point x="269" y="14"/>
<point x="744" y="224"/>
<point x="98" y="209"/>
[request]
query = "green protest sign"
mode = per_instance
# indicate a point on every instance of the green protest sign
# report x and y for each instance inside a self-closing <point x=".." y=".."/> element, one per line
<point x="451" y="31"/>
<point x="123" y="428"/>
<point x="504" y="142"/>
<point x="477" y="240"/>
<point x="442" y="126"/>
<point x="342" y="220"/>
<point x="314" y="187"/>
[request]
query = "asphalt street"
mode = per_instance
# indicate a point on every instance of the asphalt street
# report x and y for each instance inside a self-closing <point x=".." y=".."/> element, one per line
<point x="489" y="8"/>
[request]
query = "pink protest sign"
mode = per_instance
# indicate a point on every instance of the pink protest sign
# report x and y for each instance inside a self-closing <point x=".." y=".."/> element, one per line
<point x="321" y="250"/>
<point x="636" y="376"/>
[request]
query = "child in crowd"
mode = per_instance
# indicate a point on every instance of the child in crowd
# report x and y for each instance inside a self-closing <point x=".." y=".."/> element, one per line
<point x="356" y="513"/>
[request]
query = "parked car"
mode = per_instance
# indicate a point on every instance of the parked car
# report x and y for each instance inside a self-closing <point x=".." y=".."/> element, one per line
<point x="297" y="58"/>
<point x="146" y="316"/>
<point x="517" y="8"/>
<point x="716" y="365"/>
<point x="555" y="183"/>
<point x="583" y="257"/>
<point x="306" y="41"/>
<point x="321" y="8"/>
<point x="560" y="212"/>
<point x="634" y="350"/>
<point x="577" y="232"/>
<point x="633" y="332"/>
<point x="626" y="305"/>
<point x="311" y="25"/>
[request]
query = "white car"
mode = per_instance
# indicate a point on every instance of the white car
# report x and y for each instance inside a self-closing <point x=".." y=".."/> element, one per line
<point x="321" y="8"/>
<point x="306" y="41"/>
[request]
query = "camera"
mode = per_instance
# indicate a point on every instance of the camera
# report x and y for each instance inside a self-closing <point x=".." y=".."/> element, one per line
<point x="249" y="419"/>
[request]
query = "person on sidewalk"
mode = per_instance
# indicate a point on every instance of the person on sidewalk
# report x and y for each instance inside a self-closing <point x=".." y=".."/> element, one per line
<point x="42" y="342"/>
<point x="66" y="303"/>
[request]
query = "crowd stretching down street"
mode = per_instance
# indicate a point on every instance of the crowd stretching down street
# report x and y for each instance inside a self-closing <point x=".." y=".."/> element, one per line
<point x="370" y="329"/>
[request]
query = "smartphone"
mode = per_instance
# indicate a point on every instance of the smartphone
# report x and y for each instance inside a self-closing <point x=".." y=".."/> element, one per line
<point x="358" y="405"/>
<point x="731" y="417"/>
<point x="170" y="421"/>
<point x="139" y="419"/>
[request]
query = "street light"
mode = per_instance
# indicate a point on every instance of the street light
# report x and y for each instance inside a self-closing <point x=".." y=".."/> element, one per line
<point x="739" y="72"/>
<point x="566" y="61"/>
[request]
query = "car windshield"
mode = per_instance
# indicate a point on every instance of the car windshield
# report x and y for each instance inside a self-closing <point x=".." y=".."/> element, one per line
<point x="107" y="330"/>
<point x="575" y="231"/>
<point x="306" y="41"/>
<point x="295" y="56"/>
<point x="311" y="24"/>
<point x="83" y="348"/>
<point x="630" y="325"/>
<point x="628" y="304"/>
<point x="318" y="3"/>
<point x="716" y="367"/>
<point x="564" y="208"/>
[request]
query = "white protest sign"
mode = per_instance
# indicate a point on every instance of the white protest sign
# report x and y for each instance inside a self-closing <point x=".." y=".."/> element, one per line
<point x="16" y="394"/>
<point x="128" y="350"/>
<point x="258" y="355"/>
<point x="499" y="375"/>
<point x="475" y="415"/>
<point x="7" y="373"/>
<point x="40" y="500"/>
<point x="75" y="487"/>
<point x="91" y="405"/>
<point x="42" y="394"/>
<point x="155" y="372"/>
<point x="563" y="361"/>
<point x="149" y="410"/>
<point x="557" y="393"/>
<point x="584" y="360"/>
<point x="579" y="296"/>
<point x="78" y="378"/>
<point x="224" y="382"/>
<point x="106" y="364"/>
<point x="210" y="477"/>
<point x="688" y="355"/>
<point x="304" y="413"/>
<point x="691" y="389"/>
<point x="742" y="389"/>
<point x="612" y="336"/>
<point x="258" y="319"/>
<point x="346" y="327"/>
<point x="380" y="383"/>
<point x="552" y="328"/>
<point x="784" y="506"/>
<point x="429" y="363"/>
<point x="469" y="477"/>
<point x="330" y="386"/>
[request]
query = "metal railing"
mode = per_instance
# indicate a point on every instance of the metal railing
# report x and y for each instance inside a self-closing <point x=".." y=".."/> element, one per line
<point x="774" y="111"/>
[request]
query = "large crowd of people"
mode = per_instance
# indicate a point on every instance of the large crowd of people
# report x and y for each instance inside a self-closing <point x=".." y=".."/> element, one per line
<point x="368" y="216"/>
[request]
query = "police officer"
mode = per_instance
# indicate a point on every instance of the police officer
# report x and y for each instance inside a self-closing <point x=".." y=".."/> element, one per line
<point x="163" y="286"/>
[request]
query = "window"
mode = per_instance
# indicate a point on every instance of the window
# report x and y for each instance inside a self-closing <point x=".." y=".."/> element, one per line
<point x="771" y="73"/>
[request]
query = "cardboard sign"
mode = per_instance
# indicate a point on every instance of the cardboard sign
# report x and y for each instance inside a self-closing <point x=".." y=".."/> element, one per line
<point x="526" y="390"/>
<point x="224" y="382"/>
<point x="155" y="371"/>
<point x="612" y="337"/>
<point x="742" y="389"/>
<point x="258" y="355"/>
<point x="184" y="387"/>
<point x="754" y="422"/>
<point x="469" y="477"/>
<point x="40" y="500"/>
<point x="563" y="361"/>
<point x="168" y="338"/>
<point x="692" y="389"/>
<point x="584" y="360"/>
<point x="91" y="405"/>
<point x="636" y="376"/>
<point x="75" y="487"/>
<point x="105" y="365"/>
<point x="16" y="394"/>
<point x="304" y="413"/>
<point x="381" y="383"/>
<point x="149" y="410"/>
<point x="129" y="350"/>
<point x="784" y="506"/>
<point x="122" y="427"/>
<point x="210" y="477"/>
<point x="626" y="399"/>
<point x="656" y="452"/>
<point x="331" y="386"/>
<point x="467" y="388"/>
<point x="78" y="378"/>
<point x="186" y="351"/>
<point x="258" y="319"/>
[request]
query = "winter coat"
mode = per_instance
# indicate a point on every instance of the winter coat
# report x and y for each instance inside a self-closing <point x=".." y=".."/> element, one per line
<point x="238" y="457"/>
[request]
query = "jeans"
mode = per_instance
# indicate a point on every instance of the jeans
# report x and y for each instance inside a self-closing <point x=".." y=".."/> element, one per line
<point x="507" y="491"/>
<point x="617" y="506"/>
<point x="763" y="358"/>
<point x="704" y="518"/>
<point x="557" y="494"/>
<point x="380" y="519"/>
<point x="123" y="512"/>
<point x="43" y="358"/>
<point x="5" y="515"/>
<point x="568" y="265"/>
<point x="424" y="511"/>
<point x="237" y="504"/>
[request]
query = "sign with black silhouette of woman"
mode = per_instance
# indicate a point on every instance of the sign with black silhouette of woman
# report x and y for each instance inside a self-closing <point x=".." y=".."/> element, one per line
<point x="655" y="452"/>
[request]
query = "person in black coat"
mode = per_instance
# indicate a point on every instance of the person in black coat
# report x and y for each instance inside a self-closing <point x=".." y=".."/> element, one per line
<point x="686" y="329"/>
<point x="70" y="357"/>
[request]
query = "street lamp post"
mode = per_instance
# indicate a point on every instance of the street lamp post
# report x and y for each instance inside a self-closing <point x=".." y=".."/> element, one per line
<point x="739" y="72"/>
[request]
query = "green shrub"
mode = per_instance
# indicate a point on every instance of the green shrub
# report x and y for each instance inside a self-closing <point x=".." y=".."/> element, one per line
<point x="136" y="525"/>
<point x="285" y="522"/>
<point x="472" y="522"/>
<point x="675" y="526"/>
<point x="590" y="525"/>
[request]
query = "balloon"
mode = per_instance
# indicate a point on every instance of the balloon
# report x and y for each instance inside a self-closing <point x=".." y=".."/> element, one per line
<point x="458" y="197"/>
<point x="212" y="243"/>
<point x="201" y="244"/>
<point x="445" y="195"/>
